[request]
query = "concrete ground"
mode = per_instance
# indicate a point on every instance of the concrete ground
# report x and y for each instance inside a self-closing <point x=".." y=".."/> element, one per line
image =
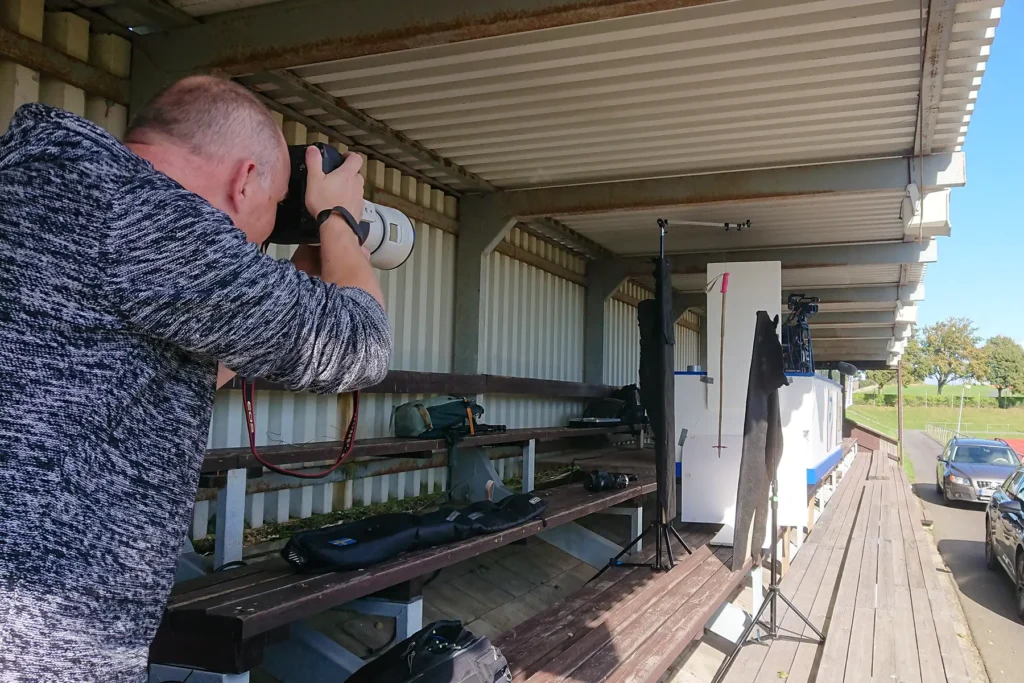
<point x="986" y="596"/>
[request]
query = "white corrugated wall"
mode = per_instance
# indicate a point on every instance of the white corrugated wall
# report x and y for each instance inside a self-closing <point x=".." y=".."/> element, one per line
<point x="622" y="335"/>
<point x="687" y="342"/>
<point x="531" y="326"/>
<point x="420" y="300"/>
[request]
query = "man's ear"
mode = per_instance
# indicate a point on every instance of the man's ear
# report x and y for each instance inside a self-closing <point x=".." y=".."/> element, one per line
<point x="243" y="175"/>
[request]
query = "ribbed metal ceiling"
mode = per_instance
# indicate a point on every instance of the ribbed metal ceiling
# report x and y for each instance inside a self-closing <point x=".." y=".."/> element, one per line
<point x="787" y="221"/>
<point x="727" y="85"/>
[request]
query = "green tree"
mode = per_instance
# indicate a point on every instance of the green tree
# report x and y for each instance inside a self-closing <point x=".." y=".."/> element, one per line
<point x="881" y="379"/>
<point x="949" y="352"/>
<point x="1005" y="364"/>
<point x="914" y="370"/>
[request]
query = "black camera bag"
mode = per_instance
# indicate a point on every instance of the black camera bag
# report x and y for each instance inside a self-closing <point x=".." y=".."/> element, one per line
<point x="443" y="652"/>
<point x="354" y="545"/>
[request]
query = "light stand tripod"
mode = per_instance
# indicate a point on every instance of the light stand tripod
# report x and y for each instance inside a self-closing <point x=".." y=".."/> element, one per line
<point x="770" y="600"/>
<point x="662" y="413"/>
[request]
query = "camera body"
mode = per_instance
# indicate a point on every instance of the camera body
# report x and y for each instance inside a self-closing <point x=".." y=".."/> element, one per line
<point x="599" y="480"/>
<point x="386" y="233"/>
<point x="802" y="305"/>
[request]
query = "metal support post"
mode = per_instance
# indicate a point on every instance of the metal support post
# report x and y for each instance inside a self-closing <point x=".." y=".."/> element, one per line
<point x="529" y="465"/>
<point x="408" y="616"/>
<point x="899" y="408"/>
<point x="230" y="519"/>
<point x="308" y="656"/>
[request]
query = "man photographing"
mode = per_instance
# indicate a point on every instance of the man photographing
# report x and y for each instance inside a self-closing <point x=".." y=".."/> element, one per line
<point x="127" y="272"/>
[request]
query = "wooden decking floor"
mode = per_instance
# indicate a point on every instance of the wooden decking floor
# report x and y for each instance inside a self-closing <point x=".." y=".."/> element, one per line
<point x="866" y="577"/>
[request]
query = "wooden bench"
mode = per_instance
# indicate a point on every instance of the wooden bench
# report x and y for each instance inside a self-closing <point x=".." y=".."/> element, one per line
<point x="230" y="469"/>
<point x="224" y="622"/>
<point x="628" y="625"/>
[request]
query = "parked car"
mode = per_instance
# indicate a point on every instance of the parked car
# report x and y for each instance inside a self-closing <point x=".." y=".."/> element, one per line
<point x="969" y="470"/>
<point x="1004" y="532"/>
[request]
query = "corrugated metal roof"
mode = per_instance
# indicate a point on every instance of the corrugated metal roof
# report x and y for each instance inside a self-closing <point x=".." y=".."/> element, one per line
<point x="824" y="277"/>
<point x="787" y="221"/>
<point x="728" y="85"/>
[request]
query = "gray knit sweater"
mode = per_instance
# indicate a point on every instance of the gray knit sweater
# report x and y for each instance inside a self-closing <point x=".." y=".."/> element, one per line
<point x="119" y="291"/>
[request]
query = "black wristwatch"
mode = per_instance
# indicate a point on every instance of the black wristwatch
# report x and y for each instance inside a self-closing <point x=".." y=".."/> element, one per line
<point x="361" y="233"/>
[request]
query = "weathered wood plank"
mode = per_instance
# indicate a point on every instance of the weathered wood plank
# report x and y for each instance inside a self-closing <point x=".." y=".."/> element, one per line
<point x="814" y="593"/>
<point x="577" y="647"/>
<point x="883" y="667"/>
<point x="905" y="644"/>
<point x="929" y="657"/>
<point x="804" y="661"/>
<point x="949" y="643"/>
<point x="696" y="593"/>
<point x="653" y="658"/>
<point x="550" y="629"/>
<point x="837" y="642"/>
<point x="858" y="656"/>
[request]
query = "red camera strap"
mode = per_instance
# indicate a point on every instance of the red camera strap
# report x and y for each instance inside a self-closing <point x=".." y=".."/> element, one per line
<point x="249" y="398"/>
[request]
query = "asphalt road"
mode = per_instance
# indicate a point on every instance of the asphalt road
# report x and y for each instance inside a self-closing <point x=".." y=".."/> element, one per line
<point x="987" y="596"/>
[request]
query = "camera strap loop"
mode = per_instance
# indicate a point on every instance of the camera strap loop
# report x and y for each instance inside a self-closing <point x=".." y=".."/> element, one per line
<point x="248" y="400"/>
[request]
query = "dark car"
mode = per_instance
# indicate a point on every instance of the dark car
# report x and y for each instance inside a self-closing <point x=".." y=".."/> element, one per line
<point x="1004" y="532"/>
<point x="969" y="470"/>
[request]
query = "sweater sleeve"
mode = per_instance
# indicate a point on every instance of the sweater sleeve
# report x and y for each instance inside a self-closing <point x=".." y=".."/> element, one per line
<point x="179" y="270"/>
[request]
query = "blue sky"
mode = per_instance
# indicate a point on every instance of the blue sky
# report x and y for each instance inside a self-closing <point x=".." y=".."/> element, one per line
<point x="980" y="272"/>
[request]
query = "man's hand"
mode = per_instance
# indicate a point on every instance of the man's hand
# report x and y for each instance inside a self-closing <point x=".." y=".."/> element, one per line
<point x="341" y="187"/>
<point x="342" y="260"/>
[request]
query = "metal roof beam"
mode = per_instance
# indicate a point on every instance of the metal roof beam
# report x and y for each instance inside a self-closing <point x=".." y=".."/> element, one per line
<point x="802" y="257"/>
<point x="861" y="364"/>
<point x="866" y="294"/>
<point x="901" y="318"/>
<point x="299" y="32"/>
<point x="940" y="171"/>
<point x="313" y="97"/>
<point x="834" y="334"/>
<point x="164" y="14"/>
<point x="936" y="48"/>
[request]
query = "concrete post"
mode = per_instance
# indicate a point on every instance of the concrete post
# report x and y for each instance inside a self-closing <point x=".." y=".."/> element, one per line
<point x="483" y="223"/>
<point x="604" y="276"/>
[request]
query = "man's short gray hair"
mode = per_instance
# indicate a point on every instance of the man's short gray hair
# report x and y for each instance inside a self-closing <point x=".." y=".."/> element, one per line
<point x="214" y="118"/>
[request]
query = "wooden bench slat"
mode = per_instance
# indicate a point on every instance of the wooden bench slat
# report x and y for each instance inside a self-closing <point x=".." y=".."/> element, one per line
<point x="837" y="643"/>
<point x="553" y="631"/>
<point x="625" y="640"/>
<point x="586" y="645"/>
<point x="221" y="459"/>
<point x="813" y="596"/>
<point x="655" y="655"/>
<point x="952" y="659"/>
<point x="280" y="595"/>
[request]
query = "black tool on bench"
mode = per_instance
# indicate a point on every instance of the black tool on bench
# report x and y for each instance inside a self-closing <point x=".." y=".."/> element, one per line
<point x="442" y="652"/>
<point x="599" y="480"/>
<point x="762" y="449"/>
<point x="657" y="389"/>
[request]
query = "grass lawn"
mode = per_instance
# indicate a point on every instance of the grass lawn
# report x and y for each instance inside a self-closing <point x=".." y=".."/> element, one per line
<point x="988" y="422"/>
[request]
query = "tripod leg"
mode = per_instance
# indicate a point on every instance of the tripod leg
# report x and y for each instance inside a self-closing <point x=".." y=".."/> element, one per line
<point x="724" y="668"/>
<point x="625" y="549"/>
<point x="680" y="539"/>
<point x="821" y="636"/>
<point x="668" y="547"/>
